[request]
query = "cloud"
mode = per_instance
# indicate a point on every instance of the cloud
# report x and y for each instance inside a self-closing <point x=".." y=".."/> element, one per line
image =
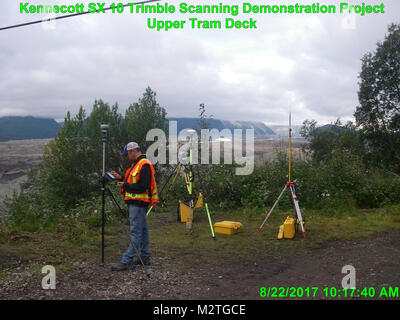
<point x="307" y="64"/>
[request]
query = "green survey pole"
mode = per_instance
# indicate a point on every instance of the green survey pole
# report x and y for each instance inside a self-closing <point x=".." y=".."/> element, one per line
<point x="209" y="219"/>
<point x="206" y="204"/>
<point x="190" y="166"/>
<point x="149" y="210"/>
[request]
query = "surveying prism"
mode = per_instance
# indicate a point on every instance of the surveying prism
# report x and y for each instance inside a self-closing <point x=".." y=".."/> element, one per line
<point x="290" y="185"/>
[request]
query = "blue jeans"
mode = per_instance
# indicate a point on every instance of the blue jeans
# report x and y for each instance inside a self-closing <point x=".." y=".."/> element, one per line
<point x="139" y="234"/>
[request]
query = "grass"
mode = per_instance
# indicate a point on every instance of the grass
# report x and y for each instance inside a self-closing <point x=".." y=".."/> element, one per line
<point x="169" y="237"/>
<point x="69" y="246"/>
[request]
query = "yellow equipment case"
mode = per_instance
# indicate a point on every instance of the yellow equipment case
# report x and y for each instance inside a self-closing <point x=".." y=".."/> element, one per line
<point x="184" y="209"/>
<point x="227" y="227"/>
<point x="287" y="230"/>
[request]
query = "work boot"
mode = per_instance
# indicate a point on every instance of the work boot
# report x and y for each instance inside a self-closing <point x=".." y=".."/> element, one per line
<point x="146" y="261"/>
<point x="118" y="266"/>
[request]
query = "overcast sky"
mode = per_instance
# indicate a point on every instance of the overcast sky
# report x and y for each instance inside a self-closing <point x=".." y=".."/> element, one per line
<point x="306" y="64"/>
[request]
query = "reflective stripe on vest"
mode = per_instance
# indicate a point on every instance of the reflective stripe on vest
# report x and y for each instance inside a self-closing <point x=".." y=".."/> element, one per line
<point x="134" y="177"/>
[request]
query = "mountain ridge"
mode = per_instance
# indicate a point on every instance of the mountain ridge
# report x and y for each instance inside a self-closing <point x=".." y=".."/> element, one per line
<point x="30" y="127"/>
<point x="27" y="127"/>
<point x="260" y="129"/>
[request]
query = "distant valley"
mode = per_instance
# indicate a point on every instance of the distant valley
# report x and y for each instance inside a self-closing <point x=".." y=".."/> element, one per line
<point x="23" y="139"/>
<point x="17" y="157"/>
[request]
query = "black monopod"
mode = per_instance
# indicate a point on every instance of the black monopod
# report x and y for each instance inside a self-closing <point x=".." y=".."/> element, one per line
<point x="104" y="132"/>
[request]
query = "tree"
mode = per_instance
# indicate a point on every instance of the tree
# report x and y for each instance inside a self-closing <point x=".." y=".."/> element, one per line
<point x="204" y="119"/>
<point x="72" y="162"/>
<point x="378" y="115"/>
<point x="142" y="116"/>
<point x="102" y="113"/>
<point x="325" y="140"/>
<point x="61" y="174"/>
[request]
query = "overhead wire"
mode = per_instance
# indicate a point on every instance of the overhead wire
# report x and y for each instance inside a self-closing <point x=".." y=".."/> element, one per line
<point x="70" y="16"/>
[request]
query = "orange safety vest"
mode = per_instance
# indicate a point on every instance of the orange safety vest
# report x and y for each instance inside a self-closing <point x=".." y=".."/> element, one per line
<point x="132" y="175"/>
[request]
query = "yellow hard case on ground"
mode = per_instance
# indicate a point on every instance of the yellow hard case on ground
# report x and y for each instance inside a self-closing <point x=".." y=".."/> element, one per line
<point x="227" y="227"/>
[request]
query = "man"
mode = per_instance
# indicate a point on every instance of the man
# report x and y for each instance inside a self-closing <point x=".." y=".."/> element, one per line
<point x="140" y="190"/>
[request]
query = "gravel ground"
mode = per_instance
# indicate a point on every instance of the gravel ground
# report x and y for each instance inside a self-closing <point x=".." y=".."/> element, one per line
<point x="376" y="260"/>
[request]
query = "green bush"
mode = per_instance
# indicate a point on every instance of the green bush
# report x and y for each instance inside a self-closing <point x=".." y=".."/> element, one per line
<point x="332" y="186"/>
<point x="378" y="190"/>
<point x="338" y="184"/>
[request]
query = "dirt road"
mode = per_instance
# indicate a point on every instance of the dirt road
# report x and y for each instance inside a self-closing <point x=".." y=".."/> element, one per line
<point x="376" y="260"/>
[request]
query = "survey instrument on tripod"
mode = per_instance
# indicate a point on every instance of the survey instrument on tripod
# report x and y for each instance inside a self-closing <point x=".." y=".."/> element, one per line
<point x="290" y="185"/>
<point x="196" y="195"/>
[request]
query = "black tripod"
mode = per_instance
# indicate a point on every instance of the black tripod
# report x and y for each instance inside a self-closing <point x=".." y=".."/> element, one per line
<point x="124" y="218"/>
